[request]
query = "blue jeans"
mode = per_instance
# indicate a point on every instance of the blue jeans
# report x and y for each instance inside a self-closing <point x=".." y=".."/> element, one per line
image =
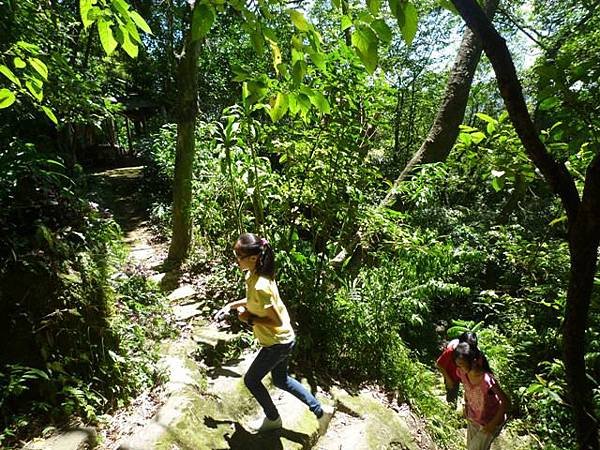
<point x="275" y="359"/>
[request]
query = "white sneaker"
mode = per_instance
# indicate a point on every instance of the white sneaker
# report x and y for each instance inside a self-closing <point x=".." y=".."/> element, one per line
<point x="324" y="420"/>
<point x="266" y="424"/>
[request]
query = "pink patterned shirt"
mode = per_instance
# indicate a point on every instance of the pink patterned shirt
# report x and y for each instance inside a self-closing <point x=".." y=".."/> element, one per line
<point x="483" y="402"/>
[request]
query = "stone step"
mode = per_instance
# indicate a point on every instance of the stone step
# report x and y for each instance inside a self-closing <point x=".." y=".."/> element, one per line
<point x="83" y="438"/>
<point x="364" y="423"/>
<point x="182" y="293"/>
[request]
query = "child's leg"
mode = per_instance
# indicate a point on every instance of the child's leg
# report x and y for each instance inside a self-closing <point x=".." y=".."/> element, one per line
<point x="477" y="439"/>
<point x="266" y="359"/>
<point x="282" y="380"/>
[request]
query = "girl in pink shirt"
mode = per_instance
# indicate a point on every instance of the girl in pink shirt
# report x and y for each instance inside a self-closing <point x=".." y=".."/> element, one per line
<point x="485" y="402"/>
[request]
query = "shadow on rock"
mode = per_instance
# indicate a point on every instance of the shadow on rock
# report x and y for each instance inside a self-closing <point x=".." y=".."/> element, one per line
<point x="241" y="439"/>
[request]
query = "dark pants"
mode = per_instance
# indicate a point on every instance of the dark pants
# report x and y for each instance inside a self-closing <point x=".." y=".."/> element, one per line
<point x="275" y="359"/>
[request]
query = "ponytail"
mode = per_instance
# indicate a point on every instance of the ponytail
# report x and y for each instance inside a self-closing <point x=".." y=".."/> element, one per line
<point x="250" y="244"/>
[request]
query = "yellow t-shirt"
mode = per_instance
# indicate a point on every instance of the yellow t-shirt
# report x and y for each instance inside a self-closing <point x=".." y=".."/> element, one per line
<point x="262" y="293"/>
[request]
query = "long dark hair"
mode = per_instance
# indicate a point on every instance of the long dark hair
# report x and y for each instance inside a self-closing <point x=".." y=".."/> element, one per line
<point x="249" y="244"/>
<point x="471" y="354"/>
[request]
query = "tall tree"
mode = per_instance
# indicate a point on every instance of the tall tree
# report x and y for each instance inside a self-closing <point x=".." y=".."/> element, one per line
<point x="583" y="215"/>
<point x="187" y="111"/>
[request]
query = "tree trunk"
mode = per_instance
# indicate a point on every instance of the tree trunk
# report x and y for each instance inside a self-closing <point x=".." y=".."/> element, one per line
<point x="187" y="110"/>
<point x="444" y="131"/>
<point x="583" y="221"/>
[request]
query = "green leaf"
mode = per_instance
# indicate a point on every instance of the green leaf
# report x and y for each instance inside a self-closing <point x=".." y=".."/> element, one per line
<point x="107" y="39"/>
<point x="133" y="31"/>
<point x="477" y="137"/>
<point x="298" y="71"/>
<point x="337" y="3"/>
<point x="298" y="20"/>
<point x="490" y="128"/>
<point x="486" y="118"/>
<point x="122" y="8"/>
<point x="140" y="22"/>
<point x="374" y="6"/>
<point x="384" y="33"/>
<point x="549" y="103"/>
<point x="498" y="183"/>
<point x="318" y="60"/>
<point x="346" y="22"/>
<point x="279" y="107"/>
<point x="319" y="100"/>
<point x="126" y="43"/>
<point x="7" y="98"/>
<point x="258" y="42"/>
<point x="35" y="88"/>
<point x="202" y="21"/>
<point x="293" y="105"/>
<point x="39" y="67"/>
<point x="9" y="74"/>
<point x="50" y="114"/>
<point x="447" y="4"/>
<point x="365" y="43"/>
<point x="19" y="63"/>
<point x="411" y="20"/>
<point x="84" y="9"/>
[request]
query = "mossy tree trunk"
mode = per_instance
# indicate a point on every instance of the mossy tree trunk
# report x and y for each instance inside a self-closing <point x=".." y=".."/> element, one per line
<point x="187" y="111"/>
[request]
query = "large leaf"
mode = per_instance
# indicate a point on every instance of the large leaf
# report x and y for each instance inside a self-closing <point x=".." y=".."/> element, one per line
<point x="34" y="86"/>
<point x="122" y="7"/>
<point x="298" y="20"/>
<point x="318" y="60"/>
<point x="84" y="9"/>
<point x="50" y="114"/>
<point x="411" y="20"/>
<point x="346" y="22"/>
<point x="109" y="43"/>
<point x="298" y="71"/>
<point x="133" y="31"/>
<point x="126" y="43"/>
<point x="366" y="44"/>
<point x="39" y="67"/>
<point x="276" y="55"/>
<point x="374" y="6"/>
<point x="279" y="107"/>
<point x="202" y="21"/>
<point x="140" y="22"/>
<point x="384" y="33"/>
<point x="320" y="102"/>
<point x="7" y="98"/>
<point x="9" y="74"/>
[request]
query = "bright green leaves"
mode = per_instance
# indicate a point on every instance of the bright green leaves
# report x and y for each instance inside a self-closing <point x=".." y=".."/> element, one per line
<point x="116" y="24"/>
<point x="9" y="74"/>
<point x="7" y="98"/>
<point x="202" y="20"/>
<point x="39" y="67"/>
<point x="279" y="107"/>
<point x="107" y="39"/>
<point x="27" y="76"/>
<point x="365" y="42"/>
<point x="384" y="33"/>
<point x="407" y="17"/>
<point x="299" y="21"/>
<point x="50" y="114"/>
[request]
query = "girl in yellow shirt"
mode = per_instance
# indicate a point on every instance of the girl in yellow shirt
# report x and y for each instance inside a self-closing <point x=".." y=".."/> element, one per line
<point x="264" y="311"/>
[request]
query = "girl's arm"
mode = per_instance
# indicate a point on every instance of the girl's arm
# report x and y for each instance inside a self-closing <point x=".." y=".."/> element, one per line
<point x="229" y="306"/>
<point x="498" y="418"/>
<point x="272" y="318"/>
<point x="447" y="380"/>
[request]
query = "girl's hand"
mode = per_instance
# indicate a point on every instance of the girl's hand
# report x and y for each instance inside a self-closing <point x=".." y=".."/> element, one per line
<point x="243" y="314"/>
<point x="221" y="313"/>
